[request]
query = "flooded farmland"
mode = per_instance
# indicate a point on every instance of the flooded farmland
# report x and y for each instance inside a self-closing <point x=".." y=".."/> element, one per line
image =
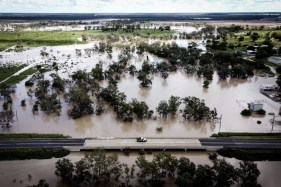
<point x="229" y="97"/>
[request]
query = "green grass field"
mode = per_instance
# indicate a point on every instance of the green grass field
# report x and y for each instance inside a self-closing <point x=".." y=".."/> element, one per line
<point x="8" y="71"/>
<point x="248" y="41"/>
<point x="17" y="78"/>
<point x="54" y="38"/>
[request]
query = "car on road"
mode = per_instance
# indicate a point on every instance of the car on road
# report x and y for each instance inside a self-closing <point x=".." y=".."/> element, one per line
<point x="141" y="139"/>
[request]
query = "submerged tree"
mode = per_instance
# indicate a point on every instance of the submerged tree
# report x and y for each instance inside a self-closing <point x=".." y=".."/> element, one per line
<point x="249" y="173"/>
<point x="163" y="109"/>
<point x="195" y="109"/>
<point x="82" y="103"/>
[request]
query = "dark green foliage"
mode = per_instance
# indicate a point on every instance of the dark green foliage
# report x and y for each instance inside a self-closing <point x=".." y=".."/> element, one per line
<point x="140" y="109"/>
<point x="174" y="103"/>
<point x="41" y="183"/>
<point x="82" y="103"/>
<point x="195" y="109"/>
<point x="206" y="84"/>
<point x="95" y="168"/>
<point x="186" y="171"/>
<point x="5" y="105"/>
<point x="225" y="174"/>
<point x="261" y="112"/>
<point x="278" y="81"/>
<point x="127" y="151"/>
<point x="29" y="83"/>
<point x="97" y="72"/>
<point x="64" y="169"/>
<point x="50" y="104"/>
<point x="254" y="36"/>
<point x="26" y="153"/>
<point x="249" y="173"/>
<point x="99" y="169"/>
<point x="23" y="103"/>
<point x="143" y="74"/>
<point x="278" y="69"/>
<point x="163" y="109"/>
<point x="58" y="83"/>
<point x="23" y="136"/>
<point x="204" y="176"/>
<point x="233" y="134"/>
<point x="141" y="152"/>
<point x="80" y="76"/>
<point x="128" y="175"/>
<point x="252" y="154"/>
<point x="246" y="112"/>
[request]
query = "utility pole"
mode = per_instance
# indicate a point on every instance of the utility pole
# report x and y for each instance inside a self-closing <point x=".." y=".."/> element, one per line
<point x="272" y="122"/>
<point x="220" y="123"/>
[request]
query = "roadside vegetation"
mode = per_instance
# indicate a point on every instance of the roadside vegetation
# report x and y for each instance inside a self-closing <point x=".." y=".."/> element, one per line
<point x="247" y="134"/>
<point x="28" y="136"/>
<point x="253" y="154"/>
<point x="34" y="153"/>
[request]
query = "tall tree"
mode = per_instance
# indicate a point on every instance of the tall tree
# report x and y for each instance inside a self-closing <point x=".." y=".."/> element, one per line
<point x="64" y="169"/>
<point x="225" y="173"/>
<point x="163" y="109"/>
<point x="249" y="173"/>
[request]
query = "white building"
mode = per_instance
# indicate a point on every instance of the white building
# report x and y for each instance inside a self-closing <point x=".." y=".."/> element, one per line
<point x="255" y="106"/>
<point x="268" y="87"/>
<point x="275" y="60"/>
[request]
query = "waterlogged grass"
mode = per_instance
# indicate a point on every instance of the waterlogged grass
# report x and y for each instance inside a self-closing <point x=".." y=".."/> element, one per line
<point x="17" y="78"/>
<point x="252" y="154"/>
<point x="55" y="38"/>
<point x="39" y="38"/>
<point x="26" y="153"/>
<point x="7" y="71"/>
<point x="32" y="136"/>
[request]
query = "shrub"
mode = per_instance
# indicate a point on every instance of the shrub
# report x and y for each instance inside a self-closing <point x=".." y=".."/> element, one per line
<point x="29" y="83"/>
<point x="278" y="69"/>
<point x="246" y="112"/>
<point x="23" y="103"/>
<point x="141" y="152"/>
<point x="159" y="129"/>
<point x="261" y="112"/>
<point x="127" y="151"/>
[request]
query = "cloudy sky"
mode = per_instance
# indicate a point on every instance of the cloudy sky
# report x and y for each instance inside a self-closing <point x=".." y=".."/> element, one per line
<point x="140" y="6"/>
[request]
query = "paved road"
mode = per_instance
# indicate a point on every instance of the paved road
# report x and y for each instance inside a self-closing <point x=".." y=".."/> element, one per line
<point x="40" y="143"/>
<point x="152" y="143"/>
<point x="242" y="143"/>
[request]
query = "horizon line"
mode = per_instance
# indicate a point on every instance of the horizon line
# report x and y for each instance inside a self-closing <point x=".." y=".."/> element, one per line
<point x="132" y="12"/>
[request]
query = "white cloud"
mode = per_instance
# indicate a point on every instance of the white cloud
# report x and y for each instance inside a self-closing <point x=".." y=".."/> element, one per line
<point x="131" y="6"/>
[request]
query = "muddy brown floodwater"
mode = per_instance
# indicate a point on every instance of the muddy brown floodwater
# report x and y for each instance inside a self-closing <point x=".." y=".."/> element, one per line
<point x="229" y="97"/>
<point x="15" y="173"/>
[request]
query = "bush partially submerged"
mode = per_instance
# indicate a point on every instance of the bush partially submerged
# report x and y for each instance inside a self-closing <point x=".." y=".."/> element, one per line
<point x="246" y="112"/>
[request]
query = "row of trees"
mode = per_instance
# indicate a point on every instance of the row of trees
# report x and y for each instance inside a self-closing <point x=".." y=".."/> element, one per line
<point x="227" y="64"/>
<point x="99" y="168"/>
<point x="194" y="109"/>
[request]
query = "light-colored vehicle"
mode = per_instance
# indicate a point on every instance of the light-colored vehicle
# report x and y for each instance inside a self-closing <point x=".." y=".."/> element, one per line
<point x="141" y="139"/>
